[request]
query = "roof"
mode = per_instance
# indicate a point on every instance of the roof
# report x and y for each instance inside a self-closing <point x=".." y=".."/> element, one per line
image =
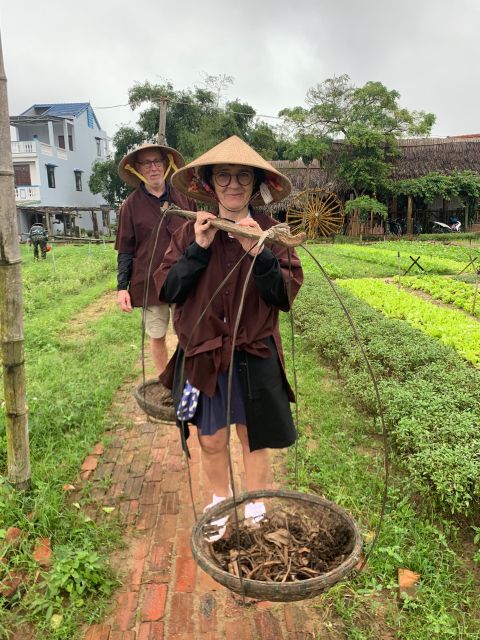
<point x="417" y="157"/>
<point x="58" y="111"/>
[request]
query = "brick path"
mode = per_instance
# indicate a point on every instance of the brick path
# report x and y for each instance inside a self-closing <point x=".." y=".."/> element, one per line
<point x="141" y="472"/>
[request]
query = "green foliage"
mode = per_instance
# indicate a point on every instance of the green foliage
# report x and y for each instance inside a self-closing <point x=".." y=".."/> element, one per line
<point x="449" y="326"/>
<point x="308" y="147"/>
<point x="69" y="389"/>
<point x="195" y="122"/>
<point x="340" y="456"/>
<point x="368" y="119"/>
<point x="366" y="206"/>
<point x="76" y="575"/>
<point x="464" y="185"/>
<point x="455" y="292"/>
<point x="430" y="397"/>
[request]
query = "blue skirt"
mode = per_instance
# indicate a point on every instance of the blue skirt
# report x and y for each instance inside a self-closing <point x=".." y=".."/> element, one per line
<point x="211" y="413"/>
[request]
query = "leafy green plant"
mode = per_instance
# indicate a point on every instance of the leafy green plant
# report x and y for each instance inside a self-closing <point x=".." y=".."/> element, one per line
<point x="432" y="424"/>
<point x="447" y="325"/>
<point x="76" y="576"/>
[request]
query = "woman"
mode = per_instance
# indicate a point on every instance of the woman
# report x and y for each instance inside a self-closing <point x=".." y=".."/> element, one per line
<point x="231" y="176"/>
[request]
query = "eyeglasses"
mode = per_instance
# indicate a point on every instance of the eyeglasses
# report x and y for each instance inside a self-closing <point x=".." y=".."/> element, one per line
<point x="223" y="178"/>
<point x="148" y="164"/>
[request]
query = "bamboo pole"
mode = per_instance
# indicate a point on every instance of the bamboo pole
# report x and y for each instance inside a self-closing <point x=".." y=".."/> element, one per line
<point x="11" y="309"/>
<point x="280" y="232"/>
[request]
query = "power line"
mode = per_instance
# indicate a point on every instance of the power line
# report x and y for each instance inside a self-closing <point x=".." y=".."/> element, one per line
<point x="263" y="115"/>
<point x="239" y="113"/>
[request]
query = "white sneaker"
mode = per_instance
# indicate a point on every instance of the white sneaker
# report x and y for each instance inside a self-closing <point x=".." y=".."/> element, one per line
<point x="215" y="529"/>
<point x="254" y="513"/>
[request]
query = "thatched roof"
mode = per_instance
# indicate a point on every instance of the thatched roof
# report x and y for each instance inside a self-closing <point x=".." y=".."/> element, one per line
<point x="418" y="156"/>
<point x="443" y="155"/>
<point x="313" y="176"/>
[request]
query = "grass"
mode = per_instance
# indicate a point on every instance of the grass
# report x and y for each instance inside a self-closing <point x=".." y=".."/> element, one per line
<point x="73" y="372"/>
<point x="340" y="456"/>
<point x="75" y="363"/>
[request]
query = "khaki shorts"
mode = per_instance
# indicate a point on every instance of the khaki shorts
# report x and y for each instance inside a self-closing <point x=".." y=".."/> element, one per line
<point x="156" y="319"/>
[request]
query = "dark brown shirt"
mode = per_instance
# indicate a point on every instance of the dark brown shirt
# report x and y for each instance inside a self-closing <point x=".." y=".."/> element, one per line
<point x="140" y="218"/>
<point x="194" y="275"/>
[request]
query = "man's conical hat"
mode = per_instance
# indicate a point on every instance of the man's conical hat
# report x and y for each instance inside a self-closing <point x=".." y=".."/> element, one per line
<point x="233" y="150"/>
<point x="173" y="160"/>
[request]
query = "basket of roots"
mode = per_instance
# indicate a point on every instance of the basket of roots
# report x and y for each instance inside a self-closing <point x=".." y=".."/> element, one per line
<point x="155" y="400"/>
<point x="299" y="547"/>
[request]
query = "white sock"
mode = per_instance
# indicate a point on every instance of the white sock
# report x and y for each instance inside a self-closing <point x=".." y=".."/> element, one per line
<point x="255" y="510"/>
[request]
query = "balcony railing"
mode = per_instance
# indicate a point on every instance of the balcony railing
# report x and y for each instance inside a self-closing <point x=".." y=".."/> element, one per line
<point x="27" y="194"/>
<point x="34" y="147"/>
<point x="27" y="146"/>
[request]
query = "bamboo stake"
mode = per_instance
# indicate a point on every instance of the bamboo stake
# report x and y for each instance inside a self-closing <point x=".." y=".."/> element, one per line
<point x="280" y="233"/>
<point x="11" y="309"/>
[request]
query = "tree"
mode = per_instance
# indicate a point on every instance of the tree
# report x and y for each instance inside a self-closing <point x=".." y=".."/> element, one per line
<point x="195" y="123"/>
<point x="365" y="123"/>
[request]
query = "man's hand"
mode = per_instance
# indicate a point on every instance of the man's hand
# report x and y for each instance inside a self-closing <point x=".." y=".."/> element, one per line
<point x="124" y="302"/>
<point x="249" y="244"/>
<point x="204" y="232"/>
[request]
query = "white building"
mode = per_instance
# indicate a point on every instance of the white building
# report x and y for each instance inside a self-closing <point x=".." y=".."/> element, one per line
<point x="53" y="149"/>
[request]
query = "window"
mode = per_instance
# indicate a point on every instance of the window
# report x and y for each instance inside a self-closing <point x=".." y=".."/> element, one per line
<point x="99" y="146"/>
<point x="22" y="175"/>
<point x="51" y="175"/>
<point x="61" y="142"/>
<point x="78" y="179"/>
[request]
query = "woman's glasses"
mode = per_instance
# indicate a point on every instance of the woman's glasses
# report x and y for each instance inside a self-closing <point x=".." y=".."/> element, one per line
<point x="223" y="178"/>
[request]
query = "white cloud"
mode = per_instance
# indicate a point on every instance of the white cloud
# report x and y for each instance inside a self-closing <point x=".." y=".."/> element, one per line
<point x="95" y="51"/>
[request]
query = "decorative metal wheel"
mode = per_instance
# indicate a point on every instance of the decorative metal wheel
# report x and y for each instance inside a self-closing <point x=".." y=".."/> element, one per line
<point x="318" y="212"/>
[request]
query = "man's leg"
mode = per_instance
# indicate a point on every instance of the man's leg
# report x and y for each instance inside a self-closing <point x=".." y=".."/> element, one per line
<point x="35" y="250"/>
<point x="159" y="351"/>
<point x="43" y="247"/>
<point x="156" y="319"/>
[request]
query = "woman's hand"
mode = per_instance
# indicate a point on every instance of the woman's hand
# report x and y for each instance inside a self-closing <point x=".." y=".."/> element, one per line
<point x="249" y="244"/>
<point x="204" y="232"/>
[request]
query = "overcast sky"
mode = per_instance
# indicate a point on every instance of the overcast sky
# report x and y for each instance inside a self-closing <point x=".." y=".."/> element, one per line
<point x="93" y="51"/>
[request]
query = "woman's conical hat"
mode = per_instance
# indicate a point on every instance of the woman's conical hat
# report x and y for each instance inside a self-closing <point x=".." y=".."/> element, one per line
<point x="233" y="150"/>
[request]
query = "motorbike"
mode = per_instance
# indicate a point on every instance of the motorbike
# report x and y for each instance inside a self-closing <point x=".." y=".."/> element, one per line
<point x="441" y="227"/>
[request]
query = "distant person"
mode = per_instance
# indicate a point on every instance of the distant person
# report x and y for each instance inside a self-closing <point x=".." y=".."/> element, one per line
<point x="38" y="237"/>
<point x="453" y="221"/>
<point x="149" y="169"/>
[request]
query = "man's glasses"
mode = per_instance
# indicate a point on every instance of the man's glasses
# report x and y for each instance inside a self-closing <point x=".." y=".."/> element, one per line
<point x="223" y="178"/>
<point x="148" y="164"/>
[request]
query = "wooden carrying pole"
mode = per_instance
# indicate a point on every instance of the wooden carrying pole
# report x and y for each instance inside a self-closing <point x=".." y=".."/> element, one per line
<point x="280" y="233"/>
<point x="11" y="309"/>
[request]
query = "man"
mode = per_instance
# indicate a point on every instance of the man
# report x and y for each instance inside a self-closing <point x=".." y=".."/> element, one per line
<point x="144" y="235"/>
<point x="38" y="237"/>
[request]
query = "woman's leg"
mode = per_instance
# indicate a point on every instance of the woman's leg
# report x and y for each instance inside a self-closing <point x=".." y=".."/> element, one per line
<point x="256" y="463"/>
<point x="215" y="461"/>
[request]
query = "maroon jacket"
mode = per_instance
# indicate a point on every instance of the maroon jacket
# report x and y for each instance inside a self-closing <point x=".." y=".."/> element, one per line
<point x="140" y="216"/>
<point x="208" y="344"/>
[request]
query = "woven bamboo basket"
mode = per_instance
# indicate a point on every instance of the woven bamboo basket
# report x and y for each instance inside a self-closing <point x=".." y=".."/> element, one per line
<point x="143" y="394"/>
<point x="321" y="509"/>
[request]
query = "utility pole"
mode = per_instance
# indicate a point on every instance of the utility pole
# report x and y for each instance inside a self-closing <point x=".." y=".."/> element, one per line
<point x="11" y="309"/>
<point x="162" y="121"/>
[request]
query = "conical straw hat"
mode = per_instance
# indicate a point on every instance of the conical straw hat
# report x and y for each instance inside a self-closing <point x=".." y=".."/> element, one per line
<point x="173" y="159"/>
<point x="233" y="150"/>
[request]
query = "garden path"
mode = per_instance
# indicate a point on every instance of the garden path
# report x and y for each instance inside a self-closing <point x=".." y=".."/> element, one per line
<point x="141" y="472"/>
